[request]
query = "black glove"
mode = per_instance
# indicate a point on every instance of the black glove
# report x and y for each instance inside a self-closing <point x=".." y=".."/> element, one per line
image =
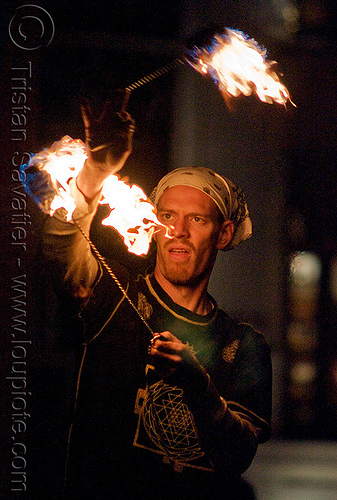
<point x="111" y="132"/>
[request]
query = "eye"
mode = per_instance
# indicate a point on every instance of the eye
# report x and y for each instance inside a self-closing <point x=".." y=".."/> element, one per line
<point x="197" y="219"/>
<point x="166" y="216"/>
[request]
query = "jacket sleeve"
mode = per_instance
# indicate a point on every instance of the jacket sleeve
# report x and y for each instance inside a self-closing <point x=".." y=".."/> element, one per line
<point x="66" y="249"/>
<point x="231" y="429"/>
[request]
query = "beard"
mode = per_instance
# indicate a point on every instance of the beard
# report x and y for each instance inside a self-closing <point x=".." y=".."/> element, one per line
<point x="188" y="275"/>
<point x="177" y="273"/>
<point x="181" y="279"/>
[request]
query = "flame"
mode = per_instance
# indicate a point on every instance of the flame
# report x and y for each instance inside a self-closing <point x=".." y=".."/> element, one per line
<point x="132" y="214"/>
<point x="62" y="161"/>
<point x="238" y="65"/>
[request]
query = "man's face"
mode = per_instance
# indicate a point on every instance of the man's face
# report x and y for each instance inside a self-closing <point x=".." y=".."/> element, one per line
<point x="187" y="256"/>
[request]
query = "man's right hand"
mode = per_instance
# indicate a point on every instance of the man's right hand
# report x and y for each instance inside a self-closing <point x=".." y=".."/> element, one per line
<point x="108" y="140"/>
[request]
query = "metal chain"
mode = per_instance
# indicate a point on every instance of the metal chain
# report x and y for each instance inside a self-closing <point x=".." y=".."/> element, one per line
<point x="159" y="72"/>
<point x="114" y="277"/>
<point x="142" y="81"/>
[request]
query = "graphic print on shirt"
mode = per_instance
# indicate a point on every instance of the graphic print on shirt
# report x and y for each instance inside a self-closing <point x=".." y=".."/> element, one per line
<point x="143" y="307"/>
<point x="166" y="426"/>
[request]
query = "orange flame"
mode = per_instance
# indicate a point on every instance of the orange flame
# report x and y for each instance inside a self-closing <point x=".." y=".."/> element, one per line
<point x="238" y="65"/>
<point x="132" y="214"/>
<point x="62" y="161"/>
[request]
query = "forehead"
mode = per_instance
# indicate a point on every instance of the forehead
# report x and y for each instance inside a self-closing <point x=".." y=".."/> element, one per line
<point x="186" y="197"/>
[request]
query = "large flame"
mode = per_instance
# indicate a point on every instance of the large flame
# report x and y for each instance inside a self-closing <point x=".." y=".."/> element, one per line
<point x="62" y="161"/>
<point x="238" y="65"/>
<point x="132" y="214"/>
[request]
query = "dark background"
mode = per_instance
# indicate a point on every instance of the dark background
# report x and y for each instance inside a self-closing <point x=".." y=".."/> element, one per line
<point x="99" y="46"/>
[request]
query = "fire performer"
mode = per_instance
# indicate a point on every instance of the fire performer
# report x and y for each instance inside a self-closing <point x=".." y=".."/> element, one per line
<point x="178" y="414"/>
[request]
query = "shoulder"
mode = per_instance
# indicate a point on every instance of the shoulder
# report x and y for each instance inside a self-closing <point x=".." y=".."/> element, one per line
<point x="241" y="339"/>
<point x="240" y="329"/>
<point x="252" y="338"/>
<point x="253" y="345"/>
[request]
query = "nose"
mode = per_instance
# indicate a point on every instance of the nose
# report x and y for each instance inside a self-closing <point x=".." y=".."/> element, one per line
<point x="179" y="229"/>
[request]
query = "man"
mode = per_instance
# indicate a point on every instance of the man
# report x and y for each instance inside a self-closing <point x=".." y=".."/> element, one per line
<point x="177" y="414"/>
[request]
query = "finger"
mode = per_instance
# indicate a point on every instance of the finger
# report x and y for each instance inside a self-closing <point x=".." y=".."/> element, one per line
<point x="117" y="101"/>
<point x="127" y="119"/>
<point x="169" y="348"/>
<point x="125" y="100"/>
<point x="154" y="338"/>
<point x="120" y="99"/>
<point x="86" y="113"/>
<point x="162" y="336"/>
<point x="166" y="335"/>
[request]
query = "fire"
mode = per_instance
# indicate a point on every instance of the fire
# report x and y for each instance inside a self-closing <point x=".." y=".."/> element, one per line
<point x="238" y="65"/>
<point x="132" y="214"/>
<point x="62" y="161"/>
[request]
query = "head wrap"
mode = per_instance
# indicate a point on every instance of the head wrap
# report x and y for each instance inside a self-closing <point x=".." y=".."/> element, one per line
<point x="229" y="199"/>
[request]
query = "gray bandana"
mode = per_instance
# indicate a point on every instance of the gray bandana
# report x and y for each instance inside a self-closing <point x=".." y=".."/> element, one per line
<point x="229" y="199"/>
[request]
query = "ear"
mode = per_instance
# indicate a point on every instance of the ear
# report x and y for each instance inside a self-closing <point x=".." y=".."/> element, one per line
<point x="225" y="234"/>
